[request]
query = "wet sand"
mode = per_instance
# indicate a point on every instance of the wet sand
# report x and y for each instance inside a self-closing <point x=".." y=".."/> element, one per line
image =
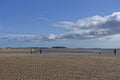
<point x="59" y="67"/>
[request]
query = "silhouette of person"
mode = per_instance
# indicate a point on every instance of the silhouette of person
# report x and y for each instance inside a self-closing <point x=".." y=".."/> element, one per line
<point x="99" y="53"/>
<point x="115" y="51"/>
<point x="40" y="51"/>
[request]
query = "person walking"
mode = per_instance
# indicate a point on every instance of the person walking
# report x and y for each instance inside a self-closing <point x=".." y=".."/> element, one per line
<point x="100" y="51"/>
<point x="40" y="51"/>
<point x="31" y="50"/>
<point x="115" y="51"/>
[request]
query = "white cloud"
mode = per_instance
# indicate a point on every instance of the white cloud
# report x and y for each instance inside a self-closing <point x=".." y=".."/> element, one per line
<point x="27" y="37"/>
<point x="114" y="37"/>
<point x="65" y="24"/>
<point x="52" y="36"/>
<point x="115" y="16"/>
<point x="91" y="21"/>
<point x="92" y="27"/>
<point x="95" y="27"/>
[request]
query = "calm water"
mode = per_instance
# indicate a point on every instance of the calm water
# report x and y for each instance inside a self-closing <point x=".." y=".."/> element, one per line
<point x="72" y="51"/>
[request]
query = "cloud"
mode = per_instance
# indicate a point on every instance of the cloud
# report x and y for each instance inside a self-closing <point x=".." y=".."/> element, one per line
<point x="116" y="37"/>
<point x="95" y="27"/>
<point x="26" y="37"/>
<point x="15" y="37"/>
<point x="65" y="24"/>
<point x="92" y="27"/>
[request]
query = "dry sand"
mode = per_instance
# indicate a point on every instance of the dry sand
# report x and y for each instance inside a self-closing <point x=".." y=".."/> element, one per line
<point x="4" y="50"/>
<point x="59" y="67"/>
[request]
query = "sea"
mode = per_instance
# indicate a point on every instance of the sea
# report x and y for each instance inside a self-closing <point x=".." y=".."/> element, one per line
<point x="72" y="51"/>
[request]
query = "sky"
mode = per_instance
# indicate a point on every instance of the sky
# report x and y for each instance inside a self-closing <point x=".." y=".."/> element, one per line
<point x="69" y="23"/>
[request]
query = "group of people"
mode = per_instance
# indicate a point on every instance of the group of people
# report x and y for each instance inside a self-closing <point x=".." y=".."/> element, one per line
<point x="34" y="51"/>
<point x="114" y="51"/>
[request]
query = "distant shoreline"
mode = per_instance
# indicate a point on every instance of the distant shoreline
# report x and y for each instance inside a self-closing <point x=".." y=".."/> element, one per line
<point x="58" y="50"/>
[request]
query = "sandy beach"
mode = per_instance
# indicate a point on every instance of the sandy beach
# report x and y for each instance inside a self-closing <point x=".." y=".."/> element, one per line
<point x="59" y="67"/>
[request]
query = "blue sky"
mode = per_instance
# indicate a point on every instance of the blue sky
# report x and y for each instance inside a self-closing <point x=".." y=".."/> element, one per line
<point x="70" y="23"/>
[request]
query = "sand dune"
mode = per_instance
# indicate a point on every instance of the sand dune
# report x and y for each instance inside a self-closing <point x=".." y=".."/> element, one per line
<point x="59" y="67"/>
